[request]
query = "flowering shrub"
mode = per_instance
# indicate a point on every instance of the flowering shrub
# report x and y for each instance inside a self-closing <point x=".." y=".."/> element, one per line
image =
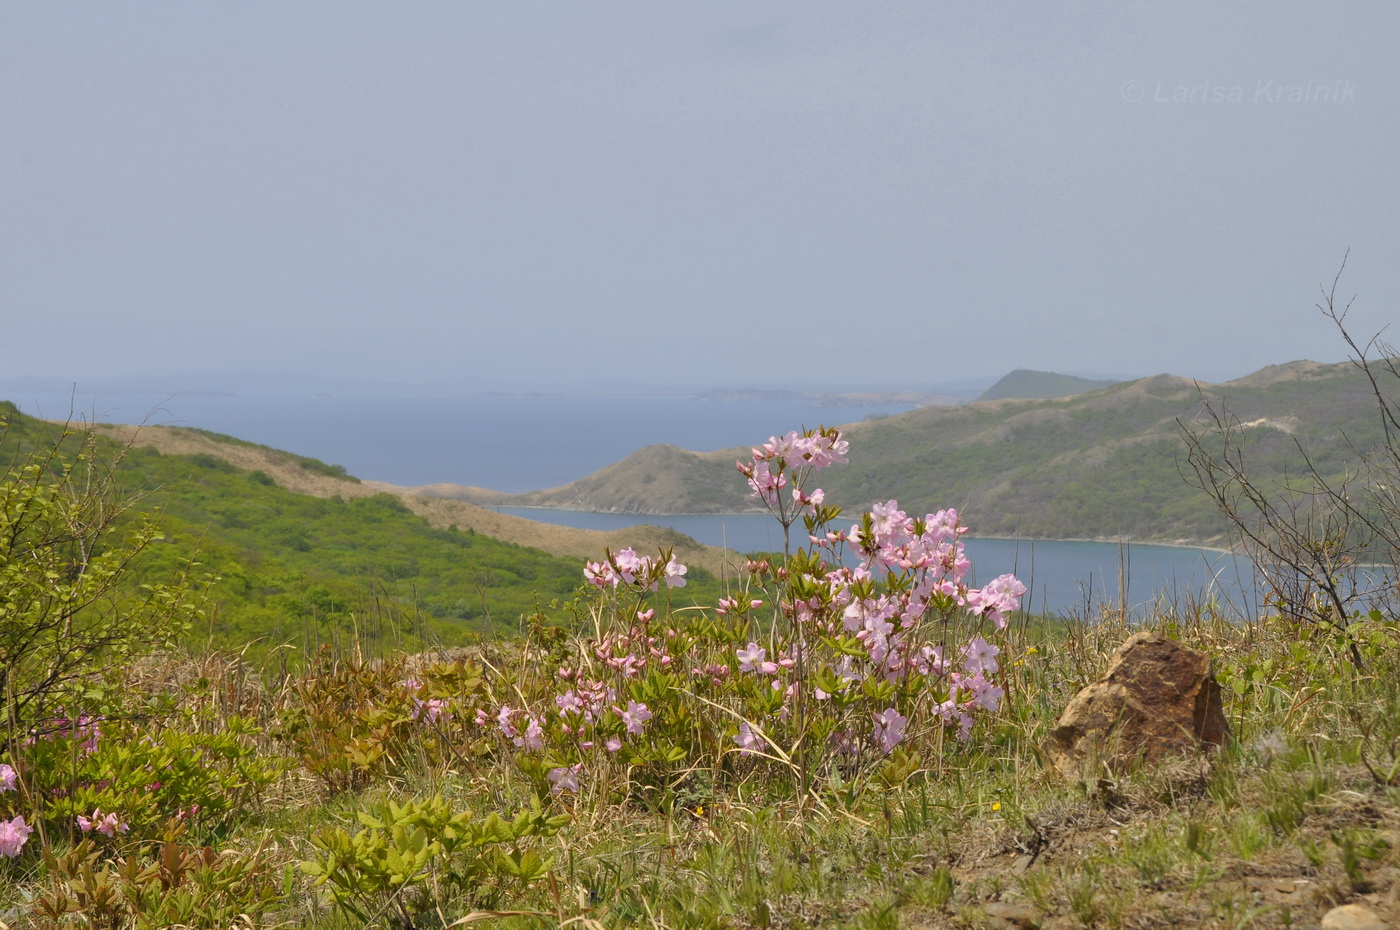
<point x="111" y="778"/>
<point x="875" y="639"/>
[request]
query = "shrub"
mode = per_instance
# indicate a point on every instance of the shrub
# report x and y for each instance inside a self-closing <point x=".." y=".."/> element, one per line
<point x="69" y="607"/>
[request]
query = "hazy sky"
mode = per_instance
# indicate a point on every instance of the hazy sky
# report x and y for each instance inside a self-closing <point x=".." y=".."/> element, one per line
<point x="708" y="192"/>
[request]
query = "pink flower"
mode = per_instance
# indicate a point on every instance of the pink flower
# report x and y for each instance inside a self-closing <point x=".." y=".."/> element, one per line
<point x="13" y="835"/>
<point x="503" y="721"/>
<point x="613" y="744"/>
<point x="765" y="484"/>
<point x="533" y="738"/>
<point x="630" y="565"/>
<point x="106" y="824"/>
<point x="747" y="739"/>
<point x="754" y="659"/>
<point x="430" y="710"/>
<point x="984" y="694"/>
<point x="600" y="574"/>
<point x="981" y="656"/>
<point x="635" y="716"/>
<point x="564" y="778"/>
<point x="1000" y="596"/>
<point x="8" y="778"/>
<point x="569" y="703"/>
<point x="889" y="728"/>
<point x="675" y="573"/>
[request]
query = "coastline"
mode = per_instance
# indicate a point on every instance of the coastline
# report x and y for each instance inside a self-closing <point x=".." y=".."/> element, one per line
<point x="1133" y="543"/>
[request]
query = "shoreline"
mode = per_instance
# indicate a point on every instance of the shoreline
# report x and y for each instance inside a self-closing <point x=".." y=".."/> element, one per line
<point x="642" y="519"/>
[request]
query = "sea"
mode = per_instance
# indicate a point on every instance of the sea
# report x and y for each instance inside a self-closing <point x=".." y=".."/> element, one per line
<point x="524" y="442"/>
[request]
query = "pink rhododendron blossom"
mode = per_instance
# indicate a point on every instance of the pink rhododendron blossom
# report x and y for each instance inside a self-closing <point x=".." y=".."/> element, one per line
<point x="600" y="574"/>
<point x="13" y="835"/>
<point x="764" y="481"/>
<point x="533" y="737"/>
<point x="747" y="740"/>
<point x="613" y="744"/>
<point x="8" y="778"/>
<point x="981" y="656"/>
<point x="1000" y="596"/>
<point x="675" y="573"/>
<point x="431" y="710"/>
<point x="889" y="729"/>
<point x="754" y="659"/>
<point x="629" y="565"/>
<point x="106" y="824"/>
<point x="984" y="694"/>
<point x="503" y="720"/>
<point x="564" y="778"/>
<point x="635" y="716"/>
<point x="569" y="703"/>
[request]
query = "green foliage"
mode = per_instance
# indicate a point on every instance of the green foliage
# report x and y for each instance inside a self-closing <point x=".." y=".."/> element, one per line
<point x="176" y="886"/>
<point x="349" y="723"/>
<point x="69" y="559"/>
<point x="148" y="776"/>
<point x="310" y="571"/>
<point x="408" y="856"/>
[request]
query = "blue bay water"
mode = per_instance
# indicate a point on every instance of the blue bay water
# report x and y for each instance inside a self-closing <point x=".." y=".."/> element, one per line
<point x="1063" y="577"/>
<point x="524" y="443"/>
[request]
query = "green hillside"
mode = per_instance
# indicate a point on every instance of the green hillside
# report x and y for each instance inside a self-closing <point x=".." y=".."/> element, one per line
<point x="1100" y="465"/>
<point x="299" y="569"/>
<point x="1026" y="384"/>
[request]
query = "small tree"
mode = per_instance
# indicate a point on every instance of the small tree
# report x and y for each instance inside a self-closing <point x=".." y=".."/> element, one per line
<point x="70" y="605"/>
<point x="1309" y="533"/>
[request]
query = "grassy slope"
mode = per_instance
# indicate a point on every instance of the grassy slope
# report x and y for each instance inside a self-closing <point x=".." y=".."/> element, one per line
<point x="306" y="569"/>
<point x="1097" y="465"/>
<point x="307" y="476"/>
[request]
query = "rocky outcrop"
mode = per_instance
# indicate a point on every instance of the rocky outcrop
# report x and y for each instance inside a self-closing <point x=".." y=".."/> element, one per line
<point x="1157" y="699"/>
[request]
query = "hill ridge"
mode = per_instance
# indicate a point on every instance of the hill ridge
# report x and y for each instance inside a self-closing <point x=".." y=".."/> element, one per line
<point x="1098" y="465"/>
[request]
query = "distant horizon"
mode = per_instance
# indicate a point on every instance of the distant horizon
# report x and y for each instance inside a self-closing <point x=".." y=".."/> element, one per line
<point x="204" y="380"/>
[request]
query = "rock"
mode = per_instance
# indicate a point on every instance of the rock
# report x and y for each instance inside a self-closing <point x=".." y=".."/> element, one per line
<point x="1352" y="917"/>
<point x="1011" y="916"/>
<point x="1158" y="698"/>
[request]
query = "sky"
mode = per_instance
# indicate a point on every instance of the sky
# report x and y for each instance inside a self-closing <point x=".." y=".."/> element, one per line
<point x="720" y="193"/>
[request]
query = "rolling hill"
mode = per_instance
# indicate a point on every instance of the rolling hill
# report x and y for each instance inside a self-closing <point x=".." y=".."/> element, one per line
<point x="1026" y="384"/>
<point x="1105" y="464"/>
<point x="306" y="555"/>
